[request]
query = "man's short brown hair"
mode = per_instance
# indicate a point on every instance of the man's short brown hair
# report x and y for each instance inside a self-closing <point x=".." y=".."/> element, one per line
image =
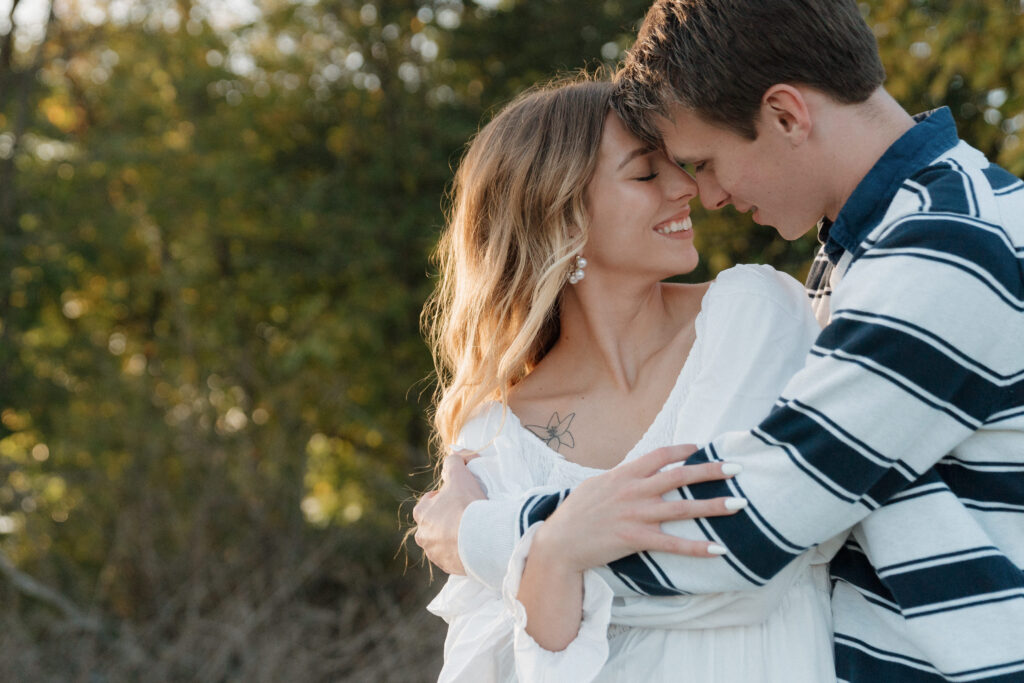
<point x="718" y="57"/>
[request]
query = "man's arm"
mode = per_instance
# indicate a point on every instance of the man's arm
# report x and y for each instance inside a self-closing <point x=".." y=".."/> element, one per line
<point x="917" y="358"/>
<point x="892" y="385"/>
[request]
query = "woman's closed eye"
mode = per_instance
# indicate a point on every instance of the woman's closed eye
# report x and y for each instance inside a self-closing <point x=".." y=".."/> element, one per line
<point x="647" y="178"/>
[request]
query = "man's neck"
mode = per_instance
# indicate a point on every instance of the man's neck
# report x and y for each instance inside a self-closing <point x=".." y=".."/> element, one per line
<point x="859" y="136"/>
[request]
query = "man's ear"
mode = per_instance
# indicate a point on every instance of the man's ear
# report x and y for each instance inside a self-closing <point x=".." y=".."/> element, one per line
<point x="785" y="110"/>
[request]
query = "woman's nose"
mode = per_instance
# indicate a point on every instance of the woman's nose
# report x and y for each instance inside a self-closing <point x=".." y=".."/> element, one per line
<point x="712" y="196"/>
<point x="679" y="184"/>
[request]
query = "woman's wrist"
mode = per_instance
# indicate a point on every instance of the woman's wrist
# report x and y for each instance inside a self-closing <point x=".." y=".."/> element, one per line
<point x="551" y="592"/>
<point x="548" y="554"/>
<point x="554" y="549"/>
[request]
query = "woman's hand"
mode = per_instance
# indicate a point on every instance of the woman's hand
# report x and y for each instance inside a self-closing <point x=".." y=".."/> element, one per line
<point x="438" y="513"/>
<point x="620" y="512"/>
<point x="607" y="517"/>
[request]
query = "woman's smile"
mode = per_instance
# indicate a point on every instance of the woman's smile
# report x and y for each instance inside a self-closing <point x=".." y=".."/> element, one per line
<point x="675" y="227"/>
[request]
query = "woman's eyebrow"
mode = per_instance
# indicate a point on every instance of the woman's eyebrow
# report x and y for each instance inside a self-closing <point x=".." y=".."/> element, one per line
<point x="638" y="152"/>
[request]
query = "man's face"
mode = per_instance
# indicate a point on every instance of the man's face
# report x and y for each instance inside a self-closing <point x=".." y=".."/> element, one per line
<point x="762" y="176"/>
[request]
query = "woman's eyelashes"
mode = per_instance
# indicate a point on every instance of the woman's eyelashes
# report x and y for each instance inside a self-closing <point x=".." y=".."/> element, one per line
<point x="646" y="172"/>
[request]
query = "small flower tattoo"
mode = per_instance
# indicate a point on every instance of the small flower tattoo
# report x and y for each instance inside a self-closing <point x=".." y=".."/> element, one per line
<point x="556" y="434"/>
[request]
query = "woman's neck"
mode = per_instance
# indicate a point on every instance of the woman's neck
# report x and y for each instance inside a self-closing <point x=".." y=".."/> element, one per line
<point x="619" y="354"/>
<point x="610" y="330"/>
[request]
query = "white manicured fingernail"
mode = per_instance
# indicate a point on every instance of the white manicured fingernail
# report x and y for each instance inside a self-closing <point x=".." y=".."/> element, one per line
<point x="716" y="549"/>
<point x="735" y="503"/>
<point x="731" y="468"/>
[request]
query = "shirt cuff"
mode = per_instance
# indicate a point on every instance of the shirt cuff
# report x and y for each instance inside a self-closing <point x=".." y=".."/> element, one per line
<point x="487" y="535"/>
<point x="586" y="655"/>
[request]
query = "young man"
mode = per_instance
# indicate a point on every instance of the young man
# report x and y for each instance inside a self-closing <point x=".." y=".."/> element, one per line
<point x="907" y="422"/>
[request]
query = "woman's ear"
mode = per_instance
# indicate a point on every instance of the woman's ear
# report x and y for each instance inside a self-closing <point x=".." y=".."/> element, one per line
<point x="786" y="111"/>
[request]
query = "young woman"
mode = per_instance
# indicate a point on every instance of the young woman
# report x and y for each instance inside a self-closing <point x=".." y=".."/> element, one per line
<point x="562" y="353"/>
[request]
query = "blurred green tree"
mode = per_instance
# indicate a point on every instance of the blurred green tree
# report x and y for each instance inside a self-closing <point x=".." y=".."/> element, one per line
<point x="216" y="233"/>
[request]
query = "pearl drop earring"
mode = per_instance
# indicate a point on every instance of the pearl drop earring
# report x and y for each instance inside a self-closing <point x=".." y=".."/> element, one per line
<point x="576" y="273"/>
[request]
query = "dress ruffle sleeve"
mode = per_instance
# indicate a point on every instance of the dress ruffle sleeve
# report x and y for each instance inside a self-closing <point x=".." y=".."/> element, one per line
<point x="583" y="659"/>
<point x="478" y="647"/>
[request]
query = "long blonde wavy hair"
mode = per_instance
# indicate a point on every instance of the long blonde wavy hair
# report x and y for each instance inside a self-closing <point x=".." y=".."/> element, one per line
<point x="516" y="219"/>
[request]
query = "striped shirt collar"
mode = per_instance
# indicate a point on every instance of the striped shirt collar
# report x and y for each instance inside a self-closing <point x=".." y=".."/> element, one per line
<point x="934" y="133"/>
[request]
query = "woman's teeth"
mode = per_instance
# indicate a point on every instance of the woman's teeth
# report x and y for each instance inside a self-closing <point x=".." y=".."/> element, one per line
<point x="674" y="226"/>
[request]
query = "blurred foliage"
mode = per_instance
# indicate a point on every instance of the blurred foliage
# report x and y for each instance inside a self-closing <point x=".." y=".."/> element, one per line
<point x="216" y="231"/>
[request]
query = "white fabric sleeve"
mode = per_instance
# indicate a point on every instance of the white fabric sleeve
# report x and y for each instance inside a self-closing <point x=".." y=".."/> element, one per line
<point x="755" y="333"/>
<point x="478" y="646"/>
<point x="487" y="535"/>
<point x="584" y="657"/>
<point x="489" y="528"/>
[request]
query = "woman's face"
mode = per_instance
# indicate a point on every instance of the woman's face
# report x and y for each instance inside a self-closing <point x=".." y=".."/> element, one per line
<point x="638" y="202"/>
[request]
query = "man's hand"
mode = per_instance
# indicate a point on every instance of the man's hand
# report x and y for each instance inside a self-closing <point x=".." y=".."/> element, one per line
<point x="439" y="513"/>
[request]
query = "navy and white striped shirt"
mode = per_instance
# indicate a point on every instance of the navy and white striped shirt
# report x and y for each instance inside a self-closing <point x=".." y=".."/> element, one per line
<point x="930" y="585"/>
<point x="907" y="424"/>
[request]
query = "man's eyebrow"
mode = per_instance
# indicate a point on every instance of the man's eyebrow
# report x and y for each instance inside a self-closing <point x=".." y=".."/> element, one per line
<point x="638" y="152"/>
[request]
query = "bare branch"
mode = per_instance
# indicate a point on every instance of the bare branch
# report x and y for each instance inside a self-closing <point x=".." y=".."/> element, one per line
<point x="26" y="585"/>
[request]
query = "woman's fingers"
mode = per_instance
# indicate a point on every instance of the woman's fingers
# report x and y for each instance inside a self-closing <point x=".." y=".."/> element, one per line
<point x="664" y="543"/>
<point x="676" y="477"/>
<point x="621" y="511"/>
<point x="649" y="463"/>
<point x="670" y="459"/>
<point x="466" y="455"/>
<point x="421" y="505"/>
<point x="670" y="510"/>
<point x="453" y="467"/>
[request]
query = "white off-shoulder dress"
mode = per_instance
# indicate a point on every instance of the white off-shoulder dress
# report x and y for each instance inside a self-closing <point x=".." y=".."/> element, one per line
<point x="753" y="332"/>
